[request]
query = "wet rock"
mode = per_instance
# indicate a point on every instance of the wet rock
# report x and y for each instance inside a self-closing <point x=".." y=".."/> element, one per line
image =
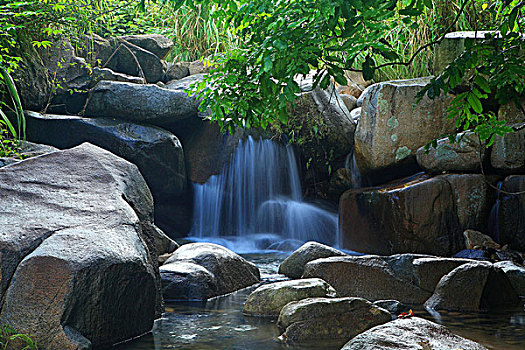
<point x="428" y="271"/>
<point x="269" y="299"/>
<point x="154" y="43"/>
<point x="393" y="126"/>
<point x="328" y="318"/>
<point x="473" y="287"/>
<point x="477" y="239"/>
<point x="511" y="214"/>
<point x="157" y="152"/>
<point x="370" y="277"/>
<point x="393" y="306"/>
<point x="410" y="333"/>
<point x="516" y="275"/>
<point x="421" y="215"/>
<point x="466" y="154"/>
<point x="231" y="272"/>
<point x="187" y="281"/>
<point x="417" y="216"/>
<point x="177" y="71"/>
<point x="508" y="152"/>
<point x="140" y="103"/>
<point x="293" y="266"/>
<point x="85" y="242"/>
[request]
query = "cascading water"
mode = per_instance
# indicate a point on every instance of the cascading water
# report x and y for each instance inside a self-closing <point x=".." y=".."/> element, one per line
<point x="256" y="203"/>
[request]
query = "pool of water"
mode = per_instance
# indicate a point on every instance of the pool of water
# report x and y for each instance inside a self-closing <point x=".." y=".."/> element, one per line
<point x="219" y="323"/>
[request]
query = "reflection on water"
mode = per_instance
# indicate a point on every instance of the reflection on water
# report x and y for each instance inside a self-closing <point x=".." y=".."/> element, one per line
<point x="219" y="323"/>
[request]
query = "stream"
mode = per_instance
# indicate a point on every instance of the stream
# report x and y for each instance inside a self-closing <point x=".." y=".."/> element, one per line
<point x="219" y="323"/>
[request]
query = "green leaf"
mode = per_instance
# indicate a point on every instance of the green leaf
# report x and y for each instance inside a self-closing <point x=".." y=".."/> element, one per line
<point x="475" y="103"/>
<point x="368" y="68"/>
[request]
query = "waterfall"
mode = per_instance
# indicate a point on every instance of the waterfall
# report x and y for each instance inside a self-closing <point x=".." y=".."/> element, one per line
<point x="256" y="202"/>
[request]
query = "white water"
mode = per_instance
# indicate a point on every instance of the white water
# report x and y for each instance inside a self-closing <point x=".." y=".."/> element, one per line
<point x="256" y="203"/>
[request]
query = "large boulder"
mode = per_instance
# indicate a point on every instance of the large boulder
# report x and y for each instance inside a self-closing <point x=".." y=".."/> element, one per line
<point x="465" y="154"/>
<point x="134" y="60"/>
<point x="77" y="249"/>
<point x="428" y="271"/>
<point x="177" y="71"/>
<point x="370" y="277"/>
<point x="184" y="280"/>
<point x="269" y="299"/>
<point x="154" y="43"/>
<point x="157" y="152"/>
<point x="226" y="272"/>
<point x="516" y="275"/>
<point x="423" y="215"/>
<point x="393" y="125"/>
<point x="293" y="266"/>
<point x="508" y="152"/>
<point x="140" y="103"/>
<point x="473" y="287"/>
<point x="419" y="216"/>
<point x="410" y="333"/>
<point x="328" y="318"/>
<point x="510" y="219"/>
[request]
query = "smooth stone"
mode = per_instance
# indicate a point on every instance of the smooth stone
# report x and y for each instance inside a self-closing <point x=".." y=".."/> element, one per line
<point x="177" y="71"/>
<point x="328" y="318"/>
<point x="412" y="333"/>
<point x="393" y="306"/>
<point x="140" y="103"/>
<point x="428" y="271"/>
<point x="187" y="281"/>
<point x="474" y="286"/>
<point x="231" y="271"/>
<point x="87" y="240"/>
<point x="269" y="299"/>
<point x="293" y="266"/>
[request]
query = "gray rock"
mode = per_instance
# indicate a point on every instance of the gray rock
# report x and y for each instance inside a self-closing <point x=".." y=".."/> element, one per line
<point x="329" y="319"/>
<point x="516" y="275"/>
<point x="410" y="333"/>
<point x="370" y="277"/>
<point x="100" y="74"/>
<point x="473" y="287"/>
<point x="269" y="299"/>
<point x="508" y="152"/>
<point x="96" y="49"/>
<point x="184" y="83"/>
<point x="293" y="266"/>
<point x="134" y="60"/>
<point x="393" y="306"/>
<point x="177" y="71"/>
<point x="421" y="215"/>
<point x="154" y="43"/>
<point x="198" y="67"/>
<point x="393" y="125"/>
<point x="85" y="243"/>
<point x="349" y="101"/>
<point x="231" y="272"/>
<point x="28" y="150"/>
<point x="157" y="152"/>
<point x="466" y="154"/>
<point x="183" y="280"/>
<point x="355" y="114"/>
<point x="428" y="271"/>
<point x="140" y="103"/>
